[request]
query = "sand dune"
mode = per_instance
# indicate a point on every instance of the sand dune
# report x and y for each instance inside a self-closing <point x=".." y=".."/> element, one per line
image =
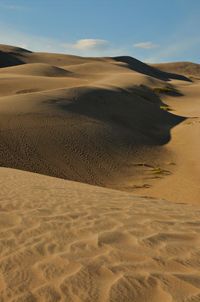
<point x="111" y="122"/>
<point x="152" y="71"/>
<point x="85" y="120"/>
<point x="11" y="56"/>
<point x="64" y="138"/>
<point x="185" y="68"/>
<point x="102" y="121"/>
<point x="37" y="69"/>
<point x="65" y="241"/>
<point x="184" y="148"/>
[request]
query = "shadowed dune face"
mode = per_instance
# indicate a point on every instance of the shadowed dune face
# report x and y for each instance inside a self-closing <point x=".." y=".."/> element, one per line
<point x="85" y="138"/>
<point x="132" y="111"/>
<point x="11" y="56"/>
<point x="141" y="67"/>
<point x="80" y="121"/>
<point x="190" y="69"/>
<point x="8" y="60"/>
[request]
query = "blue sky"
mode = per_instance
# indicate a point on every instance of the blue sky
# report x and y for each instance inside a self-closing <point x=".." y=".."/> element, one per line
<point x="150" y="30"/>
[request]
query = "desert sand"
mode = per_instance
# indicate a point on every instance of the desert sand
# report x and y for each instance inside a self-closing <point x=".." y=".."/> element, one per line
<point x="102" y="121"/>
<point x="65" y="241"/>
<point x="112" y="211"/>
<point x="184" y="181"/>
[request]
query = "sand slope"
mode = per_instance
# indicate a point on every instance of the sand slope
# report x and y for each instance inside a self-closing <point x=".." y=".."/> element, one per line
<point x="65" y="241"/>
<point x="184" y="149"/>
<point x="37" y="69"/>
<point x="84" y="119"/>
<point x="102" y="121"/>
<point x="106" y="122"/>
<point x="191" y="70"/>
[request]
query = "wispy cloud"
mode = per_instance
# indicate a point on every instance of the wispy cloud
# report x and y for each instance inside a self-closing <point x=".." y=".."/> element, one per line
<point x="90" y="44"/>
<point x="174" y="49"/>
<point x="10" y="36"/>
<point x="181" y="44"/>
<point x="12" y="7"/>
<point x="146" y="45"/>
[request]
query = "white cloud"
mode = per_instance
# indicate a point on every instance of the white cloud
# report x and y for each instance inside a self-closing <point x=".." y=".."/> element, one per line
<point x="145" y="45"/>
<point x="90" y="44"/>
<point x="93" y="47"/>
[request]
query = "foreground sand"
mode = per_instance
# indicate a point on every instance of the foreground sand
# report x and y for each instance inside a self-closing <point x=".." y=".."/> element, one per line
<point x="65" y="241"/>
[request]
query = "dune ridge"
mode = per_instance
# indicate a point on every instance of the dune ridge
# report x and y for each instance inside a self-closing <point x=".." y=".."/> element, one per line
<point x="184" y="68"/>
<point x="37" y="69"/>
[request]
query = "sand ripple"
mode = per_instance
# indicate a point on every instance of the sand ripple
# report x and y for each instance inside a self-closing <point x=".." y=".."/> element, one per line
<point x="65" y="241"/>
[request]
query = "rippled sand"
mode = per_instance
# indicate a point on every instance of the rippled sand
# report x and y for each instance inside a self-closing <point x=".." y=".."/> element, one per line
<point x="65" y="241"/>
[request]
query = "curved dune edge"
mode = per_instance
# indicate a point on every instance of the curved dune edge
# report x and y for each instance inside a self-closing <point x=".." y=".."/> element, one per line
<point x="66" y="241"/>
<point x="89" y="126"/>
<point x="36" y="69"/>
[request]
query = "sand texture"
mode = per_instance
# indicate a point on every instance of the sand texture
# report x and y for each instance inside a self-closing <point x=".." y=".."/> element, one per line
<point x="112" y="212"/>
<point x="65" y="241"/>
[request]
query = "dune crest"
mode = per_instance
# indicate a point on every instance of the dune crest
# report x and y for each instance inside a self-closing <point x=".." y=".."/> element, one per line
<point x="37" y="69"/>
<point x="184" y="68"/>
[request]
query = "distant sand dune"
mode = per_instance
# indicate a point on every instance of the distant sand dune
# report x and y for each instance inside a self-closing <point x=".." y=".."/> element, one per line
<point x="184" y="68"/>
<point x="37" y="69"/>
<point x="152" y="71"/>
